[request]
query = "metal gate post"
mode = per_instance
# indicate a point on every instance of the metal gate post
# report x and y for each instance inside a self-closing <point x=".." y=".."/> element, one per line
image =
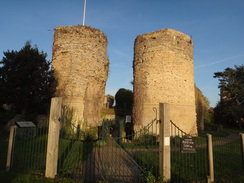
<point x="53" y="137"/>
<point x="164" y="157"/>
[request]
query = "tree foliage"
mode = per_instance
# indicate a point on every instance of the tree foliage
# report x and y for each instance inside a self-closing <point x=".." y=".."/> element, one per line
<point x="202" y="109"/>
<point x="25" y="78"/>
<point x="124" y="99"/>
<point x="230" y="109"/>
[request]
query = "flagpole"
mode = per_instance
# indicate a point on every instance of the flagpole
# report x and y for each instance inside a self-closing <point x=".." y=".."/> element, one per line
<point x="84" y="13"/>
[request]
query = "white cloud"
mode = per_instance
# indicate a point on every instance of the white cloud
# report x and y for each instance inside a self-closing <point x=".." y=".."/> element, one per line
<point x="219" y="61"/>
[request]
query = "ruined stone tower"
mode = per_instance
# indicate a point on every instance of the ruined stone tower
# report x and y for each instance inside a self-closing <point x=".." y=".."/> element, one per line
<point x="80" y="66"/>
<point x="164" y="73"/>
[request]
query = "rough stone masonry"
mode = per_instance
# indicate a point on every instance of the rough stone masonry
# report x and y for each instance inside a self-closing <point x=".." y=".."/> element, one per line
<point x="80" y="65"/>
<point x="164" y="73"/>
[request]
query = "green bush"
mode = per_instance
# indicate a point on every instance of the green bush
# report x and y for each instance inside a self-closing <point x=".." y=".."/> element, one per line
<point x="5" y="116"/>
<point x="146" y="139"/>
<point x="150" y="178"/>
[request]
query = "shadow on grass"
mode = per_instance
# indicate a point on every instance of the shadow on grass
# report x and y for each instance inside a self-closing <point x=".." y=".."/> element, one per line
<point x="8" y="177"/>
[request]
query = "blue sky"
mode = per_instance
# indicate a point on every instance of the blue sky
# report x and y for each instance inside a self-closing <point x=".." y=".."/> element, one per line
<point x="216" y="27"/>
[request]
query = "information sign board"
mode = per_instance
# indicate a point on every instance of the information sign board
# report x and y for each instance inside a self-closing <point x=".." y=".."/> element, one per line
<point x="128" y="119"/>
<point x="25" y="124"/>
<point x="188" y="145"/>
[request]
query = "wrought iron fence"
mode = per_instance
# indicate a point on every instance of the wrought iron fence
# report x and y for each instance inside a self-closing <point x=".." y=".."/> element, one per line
<point x="75" y="149"/>
<point x="29" y="149"/>
<point x="227" y="156"/>
<point x="115" y="155"/>
<point x="134" y="154"/>
<point x="4" y="147"/>
<point x="191" y="164"/>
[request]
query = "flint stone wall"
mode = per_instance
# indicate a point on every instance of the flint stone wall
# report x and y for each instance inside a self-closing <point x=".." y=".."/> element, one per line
<point x="80" y="65"/>
<point x="164" y="73"/>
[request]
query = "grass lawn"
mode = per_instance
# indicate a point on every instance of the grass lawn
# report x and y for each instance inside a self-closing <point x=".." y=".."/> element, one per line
<point x="188" y="167"/>
<point x="11" y="177"/>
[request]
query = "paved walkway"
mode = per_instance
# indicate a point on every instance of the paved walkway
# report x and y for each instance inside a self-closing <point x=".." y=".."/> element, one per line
<point x="110" y="163"/>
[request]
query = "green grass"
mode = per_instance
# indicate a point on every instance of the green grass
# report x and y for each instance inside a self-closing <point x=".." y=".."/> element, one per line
<point x="235" y="130"/>
<point x="227" y="160"/>
<point x="71" y="154"/>
<point x="215" y="133"/>
<point x="10" y="177"/>
<point x="3" y="153"/>
<point x="29" y="154"/>
<point x="187" y="167"/>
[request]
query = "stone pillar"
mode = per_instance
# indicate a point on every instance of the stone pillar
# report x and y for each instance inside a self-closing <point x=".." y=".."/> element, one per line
<point x="10" y="147"/>
<point x="80" y="65"/>
<point x="164" y="142"/>
<point x="53" y="138"/>
<point x="164" y="73"/>
<point x="210" y="177"/>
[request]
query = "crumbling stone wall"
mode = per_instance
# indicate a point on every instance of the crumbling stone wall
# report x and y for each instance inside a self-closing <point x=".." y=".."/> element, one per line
<point x="202" y="105"/>
<point x="164" y="73"/>
<point x="80" y="66"/>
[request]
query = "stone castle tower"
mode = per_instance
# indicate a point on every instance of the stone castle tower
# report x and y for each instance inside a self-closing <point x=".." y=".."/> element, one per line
<point x="164" y="73"/>
<point x="80" y="65"/>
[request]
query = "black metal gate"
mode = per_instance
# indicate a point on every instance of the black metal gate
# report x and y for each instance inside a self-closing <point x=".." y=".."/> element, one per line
<point x="112" y="156"/>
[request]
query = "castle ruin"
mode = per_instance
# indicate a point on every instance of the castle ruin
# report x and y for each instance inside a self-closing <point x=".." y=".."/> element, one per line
<point x="80" y="65"/>
<point x="164" y="73"/>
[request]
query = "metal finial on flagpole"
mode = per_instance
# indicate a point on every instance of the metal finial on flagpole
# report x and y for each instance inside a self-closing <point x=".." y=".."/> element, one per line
<point x="84" y="13"/>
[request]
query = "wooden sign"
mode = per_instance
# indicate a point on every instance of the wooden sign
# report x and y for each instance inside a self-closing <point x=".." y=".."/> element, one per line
<point x="187" y="145"/>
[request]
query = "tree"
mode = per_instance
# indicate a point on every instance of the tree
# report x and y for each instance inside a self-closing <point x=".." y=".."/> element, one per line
<point x="230" y="109"/>
<point x="124" y="102"/>
<point x="202" y="109"/>
<point x="26" y="79"/>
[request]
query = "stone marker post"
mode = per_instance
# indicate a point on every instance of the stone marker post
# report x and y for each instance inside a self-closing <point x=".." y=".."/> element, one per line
<point x="210" y="178"/>
<point x="242" y="148"/>
<point x="53" y="137"/>
<point x="164" y="157"/>
<point x="10" y="147"/>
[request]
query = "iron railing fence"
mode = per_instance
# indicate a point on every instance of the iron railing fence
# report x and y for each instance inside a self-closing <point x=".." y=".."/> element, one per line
<point x="227" y="156"/>
<point x="115" y="155"/>
<point x="29" y="149"/>
<point x="190" y="165"/>
<point x="75" y="149"/>
<point x="132" y="154"/>
<point x="114" y="163"/>
<point x="143" y="147"/>
<point x="4" y="147"/>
